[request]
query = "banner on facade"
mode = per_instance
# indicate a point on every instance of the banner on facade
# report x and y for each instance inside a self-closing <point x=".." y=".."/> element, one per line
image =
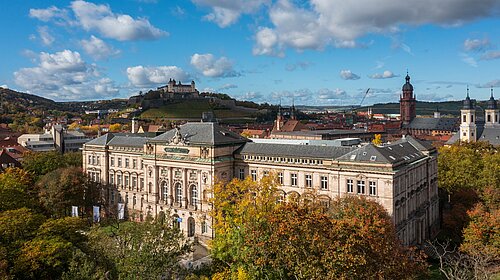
<point x="74" y="211"/>
<point x="96" y="214"/>
<point x="121" y="211"/>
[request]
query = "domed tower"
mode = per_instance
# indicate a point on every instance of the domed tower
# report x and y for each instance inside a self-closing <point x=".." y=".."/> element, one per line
<point x="407" y="103"/>
<point x="468" y="127"/>
<point x="491" y="114"/>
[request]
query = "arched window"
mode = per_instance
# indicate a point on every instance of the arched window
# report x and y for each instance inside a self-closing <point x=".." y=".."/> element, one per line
<point x="176" y="223"/>
<point x="281" y="197"/>
<point x="191" y="227"/>
<point x="164" y="191"/>
<point x="178" y="192"/>
<point x="194" y="195"/>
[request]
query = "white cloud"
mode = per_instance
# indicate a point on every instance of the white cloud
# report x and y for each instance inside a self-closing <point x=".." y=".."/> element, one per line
<point x="328" y="94"/>
<point x="97" y="48"/>
<point x="4" y="86"/>
<point x="340" y="22"/>
<point x="121" y="27"/>
<point x="348" y="75"/>
<point x="45" y="36"/>
<point x="490" y="84"/>
<point x="299" y="65"/>
<point x="227" y="12"/>
<point x="228" y="86"/>
<point x="65" y="76"/>
<point x="385" y="75"/>
<point x="209" y="66"/>
<point x="48" y="14"/>
<point x="144" y="76"/>
<point x="490" y="55"/>
<point x="252" y="95"/>
<point x="476" y="44"/>
<point x="468" y="59"/>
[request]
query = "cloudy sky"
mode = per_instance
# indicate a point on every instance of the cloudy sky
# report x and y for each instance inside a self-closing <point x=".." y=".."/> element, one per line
<point x="317" y="52"/>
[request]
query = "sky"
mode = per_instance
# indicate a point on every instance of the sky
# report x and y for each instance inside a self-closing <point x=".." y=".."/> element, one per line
<point x="310" y="52"/>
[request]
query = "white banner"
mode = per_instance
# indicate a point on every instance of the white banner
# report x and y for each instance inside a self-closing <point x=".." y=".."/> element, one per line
<point x="74" y="211"/>
<point x="121" y="211"/>
<point x="96" y="214"/>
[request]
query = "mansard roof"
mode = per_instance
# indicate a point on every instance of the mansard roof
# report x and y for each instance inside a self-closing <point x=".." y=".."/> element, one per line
<point x="394" y="153"/>
<point x="203" y="133"/>
<point x="292" y="150"/>
<point x="447" y="124"/>
<point x="121" y="139"/>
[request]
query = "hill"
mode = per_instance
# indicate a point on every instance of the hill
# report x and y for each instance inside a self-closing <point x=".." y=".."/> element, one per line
<point x="193" y="109"/>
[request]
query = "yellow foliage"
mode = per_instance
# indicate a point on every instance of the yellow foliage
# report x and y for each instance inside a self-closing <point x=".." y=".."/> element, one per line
<point x="377" y="140"/>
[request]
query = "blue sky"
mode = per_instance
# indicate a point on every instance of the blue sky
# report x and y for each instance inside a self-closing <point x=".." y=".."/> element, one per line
<point x="317" y="52"/>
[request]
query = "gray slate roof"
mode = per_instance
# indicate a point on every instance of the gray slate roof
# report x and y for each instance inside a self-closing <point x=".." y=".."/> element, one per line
<point x="303" y="151"/>
<point x="420" y="145"/>
<point x="484" y="133"/>
<point x="120" y="139"/>
<point x="449" y="124"/>
<point x="394" y="153"/>
<point x="203" y="133"/>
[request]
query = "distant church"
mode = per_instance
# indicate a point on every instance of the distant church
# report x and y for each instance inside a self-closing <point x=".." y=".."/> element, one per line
<point x="425" y="128"/>
<point x="477" y="129"/>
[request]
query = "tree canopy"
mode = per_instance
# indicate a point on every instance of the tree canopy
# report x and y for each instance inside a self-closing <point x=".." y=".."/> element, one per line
<point x="351" y="238"/>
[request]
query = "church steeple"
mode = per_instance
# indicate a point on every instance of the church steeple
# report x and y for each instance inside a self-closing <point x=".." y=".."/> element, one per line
<point x="407" y="102"/>
<point x="491" y="113"/>
<point x="468" y="127"/>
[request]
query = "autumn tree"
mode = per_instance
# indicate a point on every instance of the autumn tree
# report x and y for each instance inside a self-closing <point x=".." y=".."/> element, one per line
<point x="16" y="190"/>
<point x="377" y="140"/>
<point x="66" y="187"/>
<point x="41" y="163"/>
<point x="258" y="238"/>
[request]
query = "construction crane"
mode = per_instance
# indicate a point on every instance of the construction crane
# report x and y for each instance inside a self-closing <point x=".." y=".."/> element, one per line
<point x="366" y="93"/>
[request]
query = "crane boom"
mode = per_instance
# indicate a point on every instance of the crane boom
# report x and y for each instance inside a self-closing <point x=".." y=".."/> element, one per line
<point x="366" y="93"/>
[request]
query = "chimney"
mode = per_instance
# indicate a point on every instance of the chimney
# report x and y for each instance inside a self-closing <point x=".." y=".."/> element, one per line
<point x="208" y="117"/>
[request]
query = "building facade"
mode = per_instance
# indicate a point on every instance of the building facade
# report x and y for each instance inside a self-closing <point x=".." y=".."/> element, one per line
<point x="476" y="128"/>
<point x="175" y="171"/>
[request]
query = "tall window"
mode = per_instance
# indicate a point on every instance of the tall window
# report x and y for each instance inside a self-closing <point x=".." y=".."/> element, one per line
<point x="126" y="162"/>
<point x="134" y="182"/>
<point x="242" y="173"/>
<point x="112" y="161"/>
<point x="324" y="183"/>
<point x="293" y="179"/>
<point x="178" y="193"/>
<point x="204" y="227"/>
<point x="112" y="197"/>
<point x="119" y="162"/>
<point x="254" y="174"/>
<point x="194" y="195"/>
<point x="164" y="191"/>
<point x="280" y="177"/>
<point x="111" y="179"/>
<point x="134" y="163"/>
<point x="98" y="160"/>
<point x="309" y="181"/>
<point x="126" y="181"/>
<point x="141" y="183"/>
<point x="119" y="180"/>
<point x="373" y="188"/>
<point x="90" y="159"/>
<point x="281" y="197"/>
<point x="350" y="186"/>
<point x="361" y="186"/>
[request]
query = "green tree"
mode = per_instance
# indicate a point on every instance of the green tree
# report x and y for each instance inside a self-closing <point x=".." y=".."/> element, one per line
<point x="38" y="163"/>
<point x="16" y="190"/>
<point x="147" y="250"/>
<point x="66" y="187"/>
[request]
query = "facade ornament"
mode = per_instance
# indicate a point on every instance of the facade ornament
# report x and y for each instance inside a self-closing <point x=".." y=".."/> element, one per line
<point x="178" y="139"/>
<point x="204" y="152"/>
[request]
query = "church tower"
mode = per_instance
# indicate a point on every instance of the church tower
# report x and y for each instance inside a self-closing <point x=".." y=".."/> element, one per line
<point x="491" y="114"/>
<point x="468" y="129"/>
<point x="407" y="103"/>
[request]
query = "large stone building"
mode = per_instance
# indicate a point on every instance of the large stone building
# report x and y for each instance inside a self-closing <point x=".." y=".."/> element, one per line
<point x="57" y="138"/>
<point x="474" y="128"/>
<point x="175" y="171"/>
